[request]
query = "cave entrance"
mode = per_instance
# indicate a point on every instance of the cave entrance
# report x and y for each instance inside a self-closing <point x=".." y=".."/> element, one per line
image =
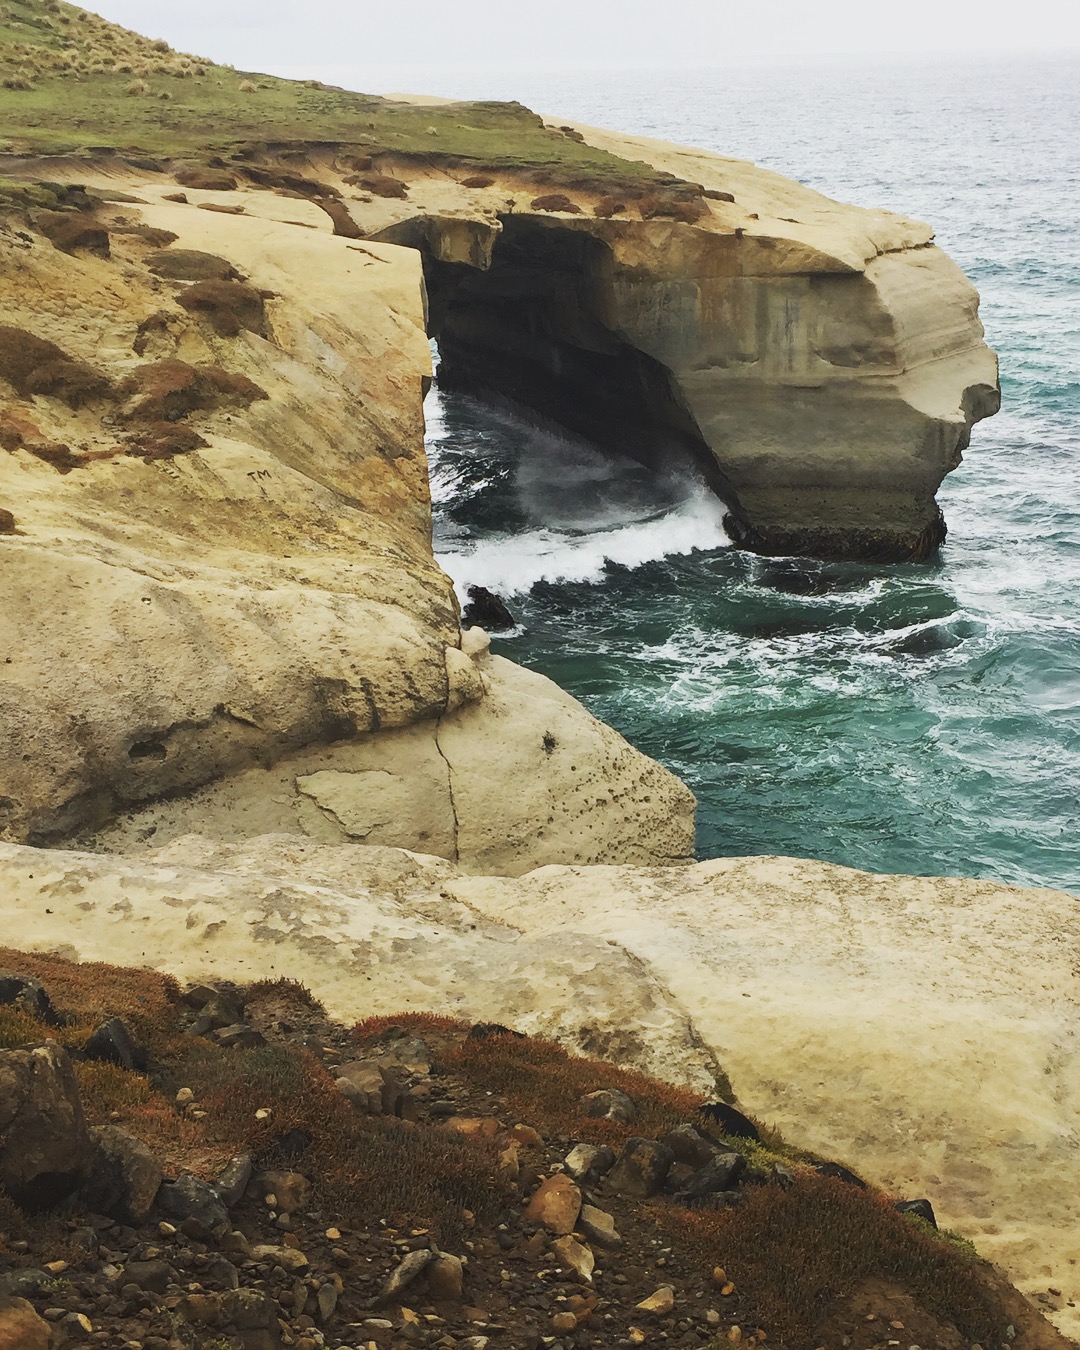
<point x="531" y="334"/>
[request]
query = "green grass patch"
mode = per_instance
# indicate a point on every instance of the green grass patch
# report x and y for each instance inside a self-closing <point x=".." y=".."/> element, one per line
<point x="71" y="83"/>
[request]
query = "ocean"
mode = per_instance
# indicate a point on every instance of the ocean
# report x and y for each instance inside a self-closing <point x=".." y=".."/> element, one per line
<point x="918" y="719"/>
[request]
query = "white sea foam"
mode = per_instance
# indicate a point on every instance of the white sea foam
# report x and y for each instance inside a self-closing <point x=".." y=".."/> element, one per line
<point x="513" y="564"/>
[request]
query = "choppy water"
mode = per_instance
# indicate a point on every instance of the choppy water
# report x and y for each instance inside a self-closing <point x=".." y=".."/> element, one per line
<point x="913" y="719"/>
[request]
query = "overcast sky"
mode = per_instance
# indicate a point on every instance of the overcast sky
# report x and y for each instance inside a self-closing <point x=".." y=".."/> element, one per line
<point x="328" y="38"/>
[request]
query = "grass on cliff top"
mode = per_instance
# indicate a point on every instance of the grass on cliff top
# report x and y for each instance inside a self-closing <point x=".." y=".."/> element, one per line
<point x="73" y="83"/>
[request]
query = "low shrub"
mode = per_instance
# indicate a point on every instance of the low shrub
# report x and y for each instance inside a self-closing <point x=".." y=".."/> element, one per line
<point x="166" y="391"/>
<point x="32" y="365"/>
<point x="230" y="306"/>
<point x="797" y="1253"/>
<point x="542" y="1085"/>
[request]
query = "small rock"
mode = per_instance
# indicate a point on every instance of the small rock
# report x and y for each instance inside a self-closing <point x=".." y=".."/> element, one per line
<point x="190" y="1197"/>
<point x="112" y="1043"/>
<point x="184" y="1097"/>
<point x="563" y="1322"/>
<point x="609" y="1104"/>
<point x="587" y="1161"/>
<point x="721" y="1173"/>
<point x="556" y="1204"/>
<point x="642" y="1168"/>
<point x="658" y="1304"/>
<point x="574" y="1256"/>
<point x="475" y="1127"/>
<point x="445" y="1278"/>
<point x="326" y="1299"/>
<point x="526" y="1136"/>
<point x="598" y="1226"/>
<point x="202" y="1310"/>
<point x="239" y="1036"/>
<point x="288" y="1258"/>
<point x="234" y="1179"/>
<point x="413" y="1265"/>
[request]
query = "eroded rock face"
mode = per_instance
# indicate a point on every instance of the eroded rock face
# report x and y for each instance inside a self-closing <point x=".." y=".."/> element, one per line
<point x="221" y="563"/>
<point x="898" y="1023"/>
<point x="822" y="363"/>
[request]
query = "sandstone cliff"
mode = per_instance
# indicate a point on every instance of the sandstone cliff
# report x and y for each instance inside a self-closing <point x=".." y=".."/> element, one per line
<point x="219" y="555"/>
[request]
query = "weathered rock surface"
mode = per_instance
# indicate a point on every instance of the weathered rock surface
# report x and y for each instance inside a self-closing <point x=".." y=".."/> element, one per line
<point x="232" y="530"/>
<point x="124" y="1176"/>
<point x="899" y="1022"/>
<point x="824" y="363"/>
<point x="45" y="1147"/>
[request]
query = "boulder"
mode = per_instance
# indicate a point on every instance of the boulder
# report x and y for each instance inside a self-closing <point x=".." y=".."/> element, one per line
<point x="486" y="610"/>
<point x="445" y="1276"/>
<point x="609" y="1104"/>
<point x="720" y="1173"/>
<point x="233" y="1180"/>
<point x="641" y="1168"/>
<point x="599" y="1227"/>
<point x="690" y="1146"/>
<point x="28" y="995"/>
<point x="20" y="1326"/>
<point x="154" y="1275"/>
<point x="658" y="1304"/>
<point x="407" y="1270"/>
<point x="124" y="1176"/>
<point x="45" y="1147"/>
<point x="555" y="1204"/>
<point x="291" y="1190"/>
<point x="112" y="1043"/>
<point x="189" y="1197"/>
<point x="922" y="1209"/>
<point x="589" y="1162"/>
<point x="575" y="1257"/>
<point x="731" y="1121"/>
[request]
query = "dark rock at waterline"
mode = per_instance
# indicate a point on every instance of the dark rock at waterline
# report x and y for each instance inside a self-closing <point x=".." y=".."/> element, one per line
<point x="731" y="1121"/>
<point x="923" y="1209"/>
<point x="486" y="610"/>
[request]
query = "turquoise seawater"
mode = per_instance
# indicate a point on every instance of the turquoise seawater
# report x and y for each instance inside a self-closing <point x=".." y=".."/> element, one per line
<point x="921" y="719"/>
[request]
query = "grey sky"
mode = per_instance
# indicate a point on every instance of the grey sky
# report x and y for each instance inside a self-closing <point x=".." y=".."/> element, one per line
<point x="332" y="39"/>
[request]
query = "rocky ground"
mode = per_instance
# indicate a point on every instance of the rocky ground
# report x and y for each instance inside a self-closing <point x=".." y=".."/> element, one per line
<point x="231" y="1168"/>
